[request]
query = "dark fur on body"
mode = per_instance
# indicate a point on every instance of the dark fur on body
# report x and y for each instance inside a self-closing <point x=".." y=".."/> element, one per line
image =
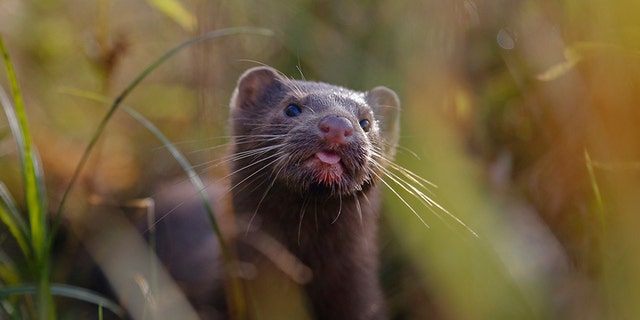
<point x="288" y="202"/>
<point x="325" y="215"/>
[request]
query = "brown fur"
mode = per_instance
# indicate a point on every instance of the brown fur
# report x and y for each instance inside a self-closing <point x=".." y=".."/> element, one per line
<point x="307" y="244"/>
<point x="330" y="228"/>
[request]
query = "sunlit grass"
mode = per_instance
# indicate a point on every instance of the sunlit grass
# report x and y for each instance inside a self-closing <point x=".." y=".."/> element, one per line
<point x="557" y="102"/>
<point x="237" y="296"/>
<point x="36" y="242"/>
<point x="32" y="236"/>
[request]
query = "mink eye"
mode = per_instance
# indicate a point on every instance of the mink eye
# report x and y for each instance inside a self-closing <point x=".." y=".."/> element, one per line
<point x="292" y="110"/>
<point x="365" y="125"/>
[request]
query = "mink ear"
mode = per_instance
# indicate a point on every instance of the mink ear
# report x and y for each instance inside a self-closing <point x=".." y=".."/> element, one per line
<point x="256" y="87"/>
<point x="386" y="107"/>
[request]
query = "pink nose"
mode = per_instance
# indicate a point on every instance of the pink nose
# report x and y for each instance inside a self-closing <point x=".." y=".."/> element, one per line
<point x="335" y="129"/>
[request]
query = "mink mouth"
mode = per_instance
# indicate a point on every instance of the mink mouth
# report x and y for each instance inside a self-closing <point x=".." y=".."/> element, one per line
<point x="316" y="169"/>
<point x="328" y="157"/>
<point x="327" y="167"/>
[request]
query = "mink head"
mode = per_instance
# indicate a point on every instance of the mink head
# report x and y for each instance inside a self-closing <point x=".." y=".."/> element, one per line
<point x="311" y="137"/>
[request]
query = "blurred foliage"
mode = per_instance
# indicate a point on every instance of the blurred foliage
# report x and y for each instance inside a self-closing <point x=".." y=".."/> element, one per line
<point x="520" y="111"/>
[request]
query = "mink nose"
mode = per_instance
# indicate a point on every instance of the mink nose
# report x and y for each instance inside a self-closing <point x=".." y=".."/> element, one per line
<point x="335" y="129"/>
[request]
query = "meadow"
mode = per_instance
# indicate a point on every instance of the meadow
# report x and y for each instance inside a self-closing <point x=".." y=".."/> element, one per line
<point x="523" y="115"/>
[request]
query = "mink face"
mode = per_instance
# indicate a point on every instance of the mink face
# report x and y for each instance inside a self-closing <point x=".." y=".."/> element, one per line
<point x="313" y="138"/>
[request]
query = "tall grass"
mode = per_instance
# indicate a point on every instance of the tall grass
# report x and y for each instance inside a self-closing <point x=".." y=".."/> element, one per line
<point x="513" y="93"/>
<point x="35" y="237"/>
<point x="32" y="235"/>
<point x="236" y="295"/>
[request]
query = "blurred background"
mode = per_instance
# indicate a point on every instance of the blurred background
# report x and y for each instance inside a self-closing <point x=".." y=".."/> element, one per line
<point x="524" y="113"/>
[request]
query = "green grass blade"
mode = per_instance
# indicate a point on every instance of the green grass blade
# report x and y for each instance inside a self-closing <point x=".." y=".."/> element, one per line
<point x="86" y="295"/>
<point x="29" y="160"/>
<point x="600" y="210"/>
<point x="176" y="11"/>
<point x="10" y="216"/>
<point x="8" y="274"/>
<point x="33" y="189"/>
<point x="67" y="291"/>
<point x="184" y="163"/>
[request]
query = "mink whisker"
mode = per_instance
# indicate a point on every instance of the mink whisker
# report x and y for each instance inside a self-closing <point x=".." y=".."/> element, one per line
<point x="415" y="178"/>
<point x="401" y="199"/>
<point x="252" y="138"/>
<point x="412" y="190"/>
<point x="286" y="81"/>
<point x="207" y="149"/>
<point x="176" y="207"/>
<point x="300" y="71"/>
<point x="303" y="209"/>
<point x="238" y="156"/>
<point x="409" y="151"/>
<point x="339" y="210"/>
<point x="264" y="196"/>
<point x="359" y="208"/>
<point x="254" y="173"/>
<point x="406" y="186"/>
<point x="188" y="142"/>
<point x="425" y="200"/>
<point x="218" y="161"/>
<point x="306" y="107"/>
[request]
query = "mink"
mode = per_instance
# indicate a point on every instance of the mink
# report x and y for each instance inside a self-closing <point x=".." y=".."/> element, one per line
<point x="306" y="162"/>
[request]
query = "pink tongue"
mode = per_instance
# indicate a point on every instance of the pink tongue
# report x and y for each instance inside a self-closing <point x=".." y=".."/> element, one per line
<point x="328" y="157"/>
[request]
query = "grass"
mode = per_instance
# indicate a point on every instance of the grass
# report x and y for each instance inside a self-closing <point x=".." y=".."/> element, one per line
<point x="32" y="235"/>
<point x="35" y="236"/>
<point x="546" y="128"/>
